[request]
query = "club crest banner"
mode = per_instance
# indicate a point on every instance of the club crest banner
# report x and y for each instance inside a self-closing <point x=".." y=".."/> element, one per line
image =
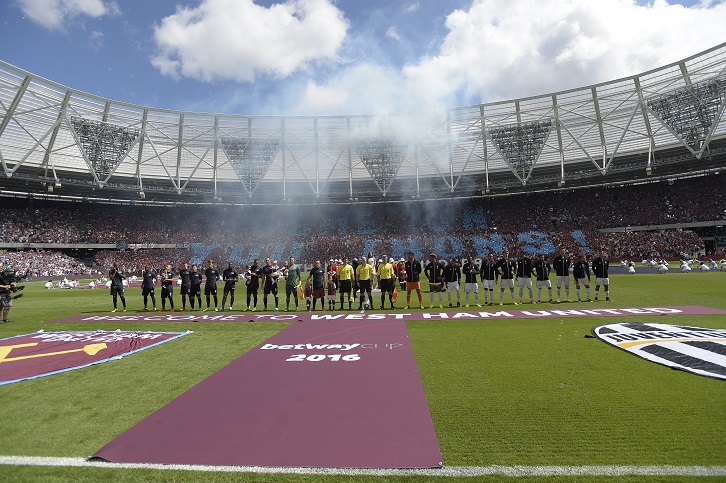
<point x="698" y="350"/>
<point x="29" y="356"/>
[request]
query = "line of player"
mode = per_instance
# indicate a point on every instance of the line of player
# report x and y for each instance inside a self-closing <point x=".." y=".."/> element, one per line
<point x="356" y="280"/>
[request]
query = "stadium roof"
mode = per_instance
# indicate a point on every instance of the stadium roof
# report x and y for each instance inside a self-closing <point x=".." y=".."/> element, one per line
<point x="667" y="121"/>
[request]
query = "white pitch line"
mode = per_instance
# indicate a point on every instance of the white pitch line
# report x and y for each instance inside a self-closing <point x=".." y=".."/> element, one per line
<point x="446" y="471"/>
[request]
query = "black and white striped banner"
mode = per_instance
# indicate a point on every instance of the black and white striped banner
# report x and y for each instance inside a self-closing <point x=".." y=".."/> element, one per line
<point x="698" y="350"/>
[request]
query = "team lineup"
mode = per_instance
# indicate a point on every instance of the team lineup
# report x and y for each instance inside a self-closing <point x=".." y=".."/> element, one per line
<point x="342" y="282"/>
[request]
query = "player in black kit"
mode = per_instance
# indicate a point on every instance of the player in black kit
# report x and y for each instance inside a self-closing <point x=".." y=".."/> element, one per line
<point x="524" y="276"/>
<point x="252" y="282"/>
<point x="195" y="287"/>
<point x="167" y="288"/>
<point x="148" y="281"/>
<point x="117" y="286"/>
<point x="489" y="275"/>
<point x="271" y="274"/>
<point x="561" y="264"/>
<point x="186" y="284"/>
<point x="210" y="286"/>
<point x="230" y="277"/>
<point x="507" y="268"/>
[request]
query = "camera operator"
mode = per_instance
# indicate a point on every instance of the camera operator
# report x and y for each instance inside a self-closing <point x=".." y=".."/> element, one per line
<point x="7" y="286"/>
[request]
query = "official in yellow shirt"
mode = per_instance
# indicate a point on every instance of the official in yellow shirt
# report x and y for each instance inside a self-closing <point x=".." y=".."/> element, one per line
<point x="345" y="278"/>
<point x="386" y="281"/>
<point x="363" y="275"/>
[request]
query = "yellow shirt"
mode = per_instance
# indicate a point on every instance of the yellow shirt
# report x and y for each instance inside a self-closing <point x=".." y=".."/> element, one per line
<point x="345" y="272"/>
<point x="385" y="270"/>
<point x="364" y="272"/>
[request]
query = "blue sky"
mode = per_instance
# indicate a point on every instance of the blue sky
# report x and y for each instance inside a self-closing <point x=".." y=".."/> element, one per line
<point x="346" y="56"/>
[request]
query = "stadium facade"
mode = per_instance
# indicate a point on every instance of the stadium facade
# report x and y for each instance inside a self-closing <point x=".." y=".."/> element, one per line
<point x="57" y="141"/>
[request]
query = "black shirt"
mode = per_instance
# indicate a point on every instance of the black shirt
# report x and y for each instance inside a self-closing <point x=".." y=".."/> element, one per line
<point x="116" y="278"/>
<point x="507" y="267"/>
<point x="452" y="273"/>
<point x="489" y="270"/>
<point x="581" y="270"/>
<point x="562" y="265"/>
<point x="167" y="279"/>
<point x="254" y="277"/>
<point x="230" y="276"/>
<point x="470" y="272"/>
<point x="212" y="275"/>
<point x="318" y="275"/>
<point x="524" y="267"/>
<point x="149" y="280"/>
<point x="600" y="267"/>
<point x="185" y="279"/>
<point x="413" y="271"/>
<point x="195" y="278"/>
<point x="542" y="269"/>
<point x="433" y="272"/>
<point x="267" y="272"/>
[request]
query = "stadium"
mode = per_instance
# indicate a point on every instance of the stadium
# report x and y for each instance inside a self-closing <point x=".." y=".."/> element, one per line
<point x="632" y="167"/>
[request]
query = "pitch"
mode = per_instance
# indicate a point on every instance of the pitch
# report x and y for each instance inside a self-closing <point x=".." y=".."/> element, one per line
<point x="525" y="392"/>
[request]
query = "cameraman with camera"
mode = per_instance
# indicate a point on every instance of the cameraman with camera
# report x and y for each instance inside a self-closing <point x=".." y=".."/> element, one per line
<point x="7" y="286"/>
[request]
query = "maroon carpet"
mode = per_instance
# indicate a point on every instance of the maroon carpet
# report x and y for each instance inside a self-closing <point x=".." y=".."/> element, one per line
<point x="315" y="395"/>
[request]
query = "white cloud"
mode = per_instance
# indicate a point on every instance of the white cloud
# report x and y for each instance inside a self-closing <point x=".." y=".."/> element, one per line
<point x="411" y="7"/>
<point x="392" y="33"/>
<point x="239" y="40"/>
<point x="54" y="14"/>
<point x="500" y="49"/>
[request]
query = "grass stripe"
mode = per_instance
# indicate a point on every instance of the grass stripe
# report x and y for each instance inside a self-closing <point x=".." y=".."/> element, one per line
<point x="447" y="471"/>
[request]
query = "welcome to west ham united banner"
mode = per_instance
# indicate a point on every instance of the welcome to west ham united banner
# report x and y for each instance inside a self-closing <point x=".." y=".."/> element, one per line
<point x="698" y="350"/>
<point x="29" y="356"/>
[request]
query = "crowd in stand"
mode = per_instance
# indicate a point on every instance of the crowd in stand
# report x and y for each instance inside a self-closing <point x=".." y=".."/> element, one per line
<point x="325" y="231"/>
<point x="44" y="264"/>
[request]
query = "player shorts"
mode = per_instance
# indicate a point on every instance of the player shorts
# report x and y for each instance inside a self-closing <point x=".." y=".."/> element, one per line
<point x="413" y="286"/>
<point x="524" y="282"/>
<point x="270" y="288"/>
<point x="488" y="284"/>
<point x="602" y="281"/>
<point x="452" y="286"/>
<point x="470" y="287"/>
<point x="167" y="291"/>
<point x="435" y="287"/>
<point x="290" y="290"/>
<point x="346" y="286"/>
<point x="6" y="301"/>
<point x="185" y="289"/>
<point x="319" y="293"/>
<point x="544" y="284"/>
<point x="583" y="281"/>
<point x="229" y="287"/>
<point x="210" y="289"/>
<point x="387" y="285"/>
<point x="116" y="290"/>
<point x="506" y="283"/>
<point x="563" y="280"/>
<point x="146" y="291"/>
<point x="195" y="290"/>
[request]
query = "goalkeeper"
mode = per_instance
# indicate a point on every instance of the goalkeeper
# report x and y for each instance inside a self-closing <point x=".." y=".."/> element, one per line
<point x="293" y="278"/>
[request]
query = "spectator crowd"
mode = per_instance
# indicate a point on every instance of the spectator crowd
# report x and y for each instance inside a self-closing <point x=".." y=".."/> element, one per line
<point x="569" y="218"/>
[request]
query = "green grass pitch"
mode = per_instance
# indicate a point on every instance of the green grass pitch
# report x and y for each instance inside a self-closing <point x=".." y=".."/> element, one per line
<point x="501" y="391"/>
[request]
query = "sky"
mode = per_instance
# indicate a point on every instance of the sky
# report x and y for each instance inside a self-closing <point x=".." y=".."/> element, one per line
<point x="333" y="57"/>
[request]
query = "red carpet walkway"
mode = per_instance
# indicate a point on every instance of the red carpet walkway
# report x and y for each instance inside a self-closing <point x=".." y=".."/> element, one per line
<point x="343" y="394"/>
